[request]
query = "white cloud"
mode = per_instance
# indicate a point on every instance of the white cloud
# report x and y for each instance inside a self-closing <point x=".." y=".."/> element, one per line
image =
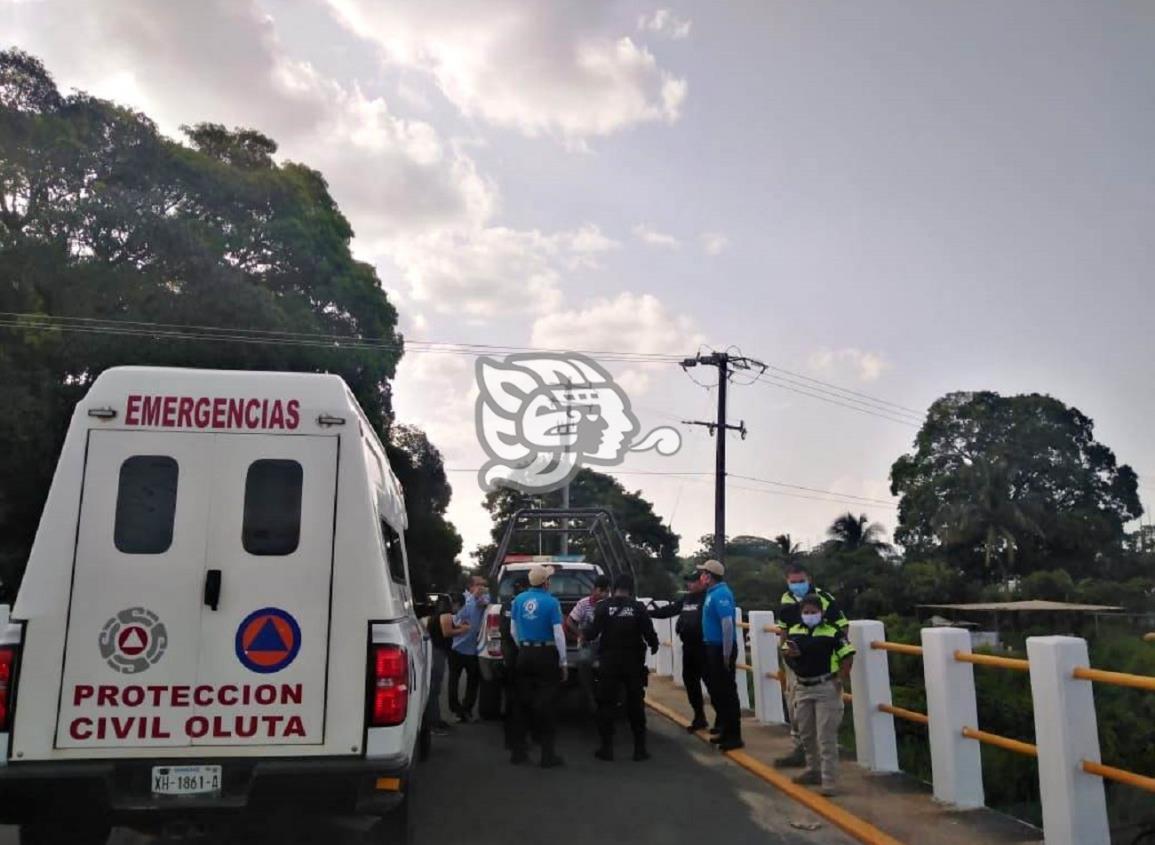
<point x="222" y="61"/>
<point x="714" y="243"/>
<point x="539" y="67"/>
<point x="864" y="366"/>
<point x="665" y="22"/>
<point x="649" y="235"/>
<point x="488" y="272"/>
<point x="636" y="323"/>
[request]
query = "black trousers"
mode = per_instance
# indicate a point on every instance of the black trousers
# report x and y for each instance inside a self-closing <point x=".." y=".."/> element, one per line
<point x="613" y="679"/>
<point x="537" y="682"/>
<point x="468" y="664"/>
<point x="509" y="693"/>
<point x="693" y="673"/>
<point x="723" y="687"/>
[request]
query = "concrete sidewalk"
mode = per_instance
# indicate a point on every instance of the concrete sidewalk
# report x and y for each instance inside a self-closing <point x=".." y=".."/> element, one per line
<point x="898" y="804"/>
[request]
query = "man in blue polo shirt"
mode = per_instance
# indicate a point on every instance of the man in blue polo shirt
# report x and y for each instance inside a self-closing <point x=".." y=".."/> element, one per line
<point x="463" y="653"/>
<point x="536" y="625"/>
<point x="720" y="636"/>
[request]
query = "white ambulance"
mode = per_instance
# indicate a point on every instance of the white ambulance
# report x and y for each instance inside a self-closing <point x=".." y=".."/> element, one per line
<point x="216" y="616"/>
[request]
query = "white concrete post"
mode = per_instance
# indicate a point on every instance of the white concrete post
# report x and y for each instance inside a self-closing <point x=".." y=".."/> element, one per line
<point x="955" y="763"/>
<point x="665" y="656"/>
<point x="768" y="707"/>
<point x="677" y="654"/>
<point x="874" y="738"/>
<point x="1067" y="733"/>
<point x="743" y="686"/>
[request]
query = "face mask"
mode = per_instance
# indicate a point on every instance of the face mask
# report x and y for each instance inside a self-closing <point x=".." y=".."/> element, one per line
<point x="799" y="588"/>
<point x="811" y="620"/>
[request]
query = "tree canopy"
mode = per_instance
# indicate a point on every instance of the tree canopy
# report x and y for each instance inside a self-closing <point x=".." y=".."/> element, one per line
<point x="104" y="218"/>
<point x="1007" y="485"/>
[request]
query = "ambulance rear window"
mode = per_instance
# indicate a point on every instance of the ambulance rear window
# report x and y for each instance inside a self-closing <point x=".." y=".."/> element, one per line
<point x="272" y="524"/>
<point x="145" y="505"/>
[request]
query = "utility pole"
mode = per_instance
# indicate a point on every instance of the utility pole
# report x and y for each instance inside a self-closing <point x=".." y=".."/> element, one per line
<point x="726" y="364"/>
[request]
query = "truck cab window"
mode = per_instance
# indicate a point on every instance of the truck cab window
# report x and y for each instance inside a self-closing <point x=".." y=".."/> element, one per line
<point x="145" y="505"/>
<point x="392" y="542"/>
<point x="272" y="522"/>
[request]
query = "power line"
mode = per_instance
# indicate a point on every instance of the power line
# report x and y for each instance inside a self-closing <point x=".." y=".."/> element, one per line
<point x="90" y="325"/>
<point x="847" y="390"/>
<point x="697" y="476"/>
<point x="869" y="405"/>
<point x="766" y="381"/>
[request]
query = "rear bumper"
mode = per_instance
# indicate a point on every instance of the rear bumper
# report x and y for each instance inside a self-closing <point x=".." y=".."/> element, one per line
<point x="120" y="791"/>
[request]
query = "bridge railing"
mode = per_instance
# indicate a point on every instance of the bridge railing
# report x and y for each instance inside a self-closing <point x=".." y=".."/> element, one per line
<point x="1071" y="771"/>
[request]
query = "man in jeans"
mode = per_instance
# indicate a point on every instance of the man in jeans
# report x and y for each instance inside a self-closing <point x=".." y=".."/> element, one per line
<point x="581" y="616"/>
<point x="463" y="654"/>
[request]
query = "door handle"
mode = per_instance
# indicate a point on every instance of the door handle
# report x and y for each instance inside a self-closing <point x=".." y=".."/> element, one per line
<point x="213" y="588"/>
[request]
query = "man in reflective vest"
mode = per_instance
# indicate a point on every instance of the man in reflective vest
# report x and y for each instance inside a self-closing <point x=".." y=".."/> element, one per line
<point x="798" y="585"/>
<point x="820" y="656"/>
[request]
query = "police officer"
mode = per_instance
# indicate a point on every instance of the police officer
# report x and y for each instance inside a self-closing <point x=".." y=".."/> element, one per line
<point x="536" y="625"/>
<point x="622" y="629"/>
<point x="509" y="660"/>
<point x="820" y="656"/>
<point x="799" y="584"/>
<point x="688" y="609"/>
<point x="720" y="635"/>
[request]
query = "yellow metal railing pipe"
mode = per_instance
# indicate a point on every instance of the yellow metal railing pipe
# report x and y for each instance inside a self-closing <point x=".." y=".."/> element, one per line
<point x="847" y="697"/>
<point x="903" y="713"/>
<point x="1119" y="775"/>
<point x="1119" y="679"/>
<point x="777" y="676"/>
<point x="744" y="625"/>
<point x="745" y="667"/>
<point x="1150" y="638"/>
<point x="1015" y="745"/>
<point x="1013" y="663"/>
<point x="897" y="648"/>
<point x="770" y="629"/>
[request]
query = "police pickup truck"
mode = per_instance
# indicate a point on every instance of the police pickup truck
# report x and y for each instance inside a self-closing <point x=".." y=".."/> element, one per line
<point x="592" y="530"/>
<point x="216" y="619"/>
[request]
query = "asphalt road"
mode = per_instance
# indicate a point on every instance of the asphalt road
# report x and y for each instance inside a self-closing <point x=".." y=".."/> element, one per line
<point x="467" y="793"/>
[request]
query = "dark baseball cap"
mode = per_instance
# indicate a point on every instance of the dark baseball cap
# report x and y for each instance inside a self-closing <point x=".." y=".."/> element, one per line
<point x="692" y="575"/>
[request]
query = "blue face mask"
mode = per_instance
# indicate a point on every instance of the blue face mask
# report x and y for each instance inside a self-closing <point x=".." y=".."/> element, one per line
<point x="799" y="589"/>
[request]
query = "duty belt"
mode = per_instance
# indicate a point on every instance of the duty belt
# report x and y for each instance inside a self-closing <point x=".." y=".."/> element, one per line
<point x="542" y="644"/>
<point x="818" y="679"/>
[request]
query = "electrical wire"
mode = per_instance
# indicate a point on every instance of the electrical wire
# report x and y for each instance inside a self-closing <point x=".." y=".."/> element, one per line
<point x="860" y="402"/>
<point x="766" y="381"/>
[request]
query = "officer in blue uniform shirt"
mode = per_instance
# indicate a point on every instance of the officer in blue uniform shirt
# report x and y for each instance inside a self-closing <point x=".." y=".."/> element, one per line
<point x="720" y="636"/>
<point x="536" y="625"/>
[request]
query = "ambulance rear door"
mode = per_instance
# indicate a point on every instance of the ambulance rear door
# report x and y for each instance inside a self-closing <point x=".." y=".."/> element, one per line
<point x="267" y="576"/>
<point x="134" y="616"/>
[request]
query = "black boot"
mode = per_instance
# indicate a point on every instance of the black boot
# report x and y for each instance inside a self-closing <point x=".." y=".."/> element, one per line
<point x="605" y="752"/>
<point x="640" y="753"/>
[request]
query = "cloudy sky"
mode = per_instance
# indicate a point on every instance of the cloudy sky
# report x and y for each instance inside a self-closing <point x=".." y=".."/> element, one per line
<point x="896" y="198"/>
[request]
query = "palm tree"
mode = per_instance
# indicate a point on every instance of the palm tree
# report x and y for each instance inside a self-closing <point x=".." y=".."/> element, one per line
<point x="850" y="533"/>
<point x="791" y="551"/>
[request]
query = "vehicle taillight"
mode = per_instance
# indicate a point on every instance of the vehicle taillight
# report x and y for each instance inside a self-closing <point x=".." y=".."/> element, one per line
<point x="389" y="696"/>
<point x="7" y="665"/>
<point x="493" y="635"/>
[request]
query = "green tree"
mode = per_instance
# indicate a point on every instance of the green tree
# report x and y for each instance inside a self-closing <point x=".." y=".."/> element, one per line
<point x="791" y="551"/>
<point x="849" y="533"/>
<point x="1006" y="485"/>
<point x="652" y="544"/>
<point x="103" y="217"/>
<point x="432" y="541"/>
